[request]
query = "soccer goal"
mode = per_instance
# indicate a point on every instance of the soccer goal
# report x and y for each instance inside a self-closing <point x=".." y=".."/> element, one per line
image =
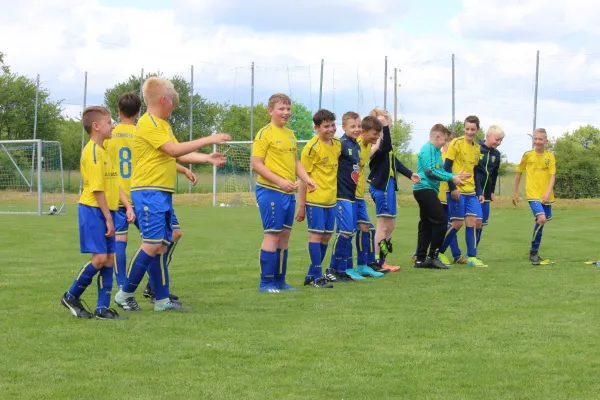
<point x="234" y="183"/>
<point x="31" y="177"/>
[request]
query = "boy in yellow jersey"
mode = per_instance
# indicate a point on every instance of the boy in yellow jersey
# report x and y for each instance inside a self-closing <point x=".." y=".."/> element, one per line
<point x="384" y="166"/>
<point x="275" y="160"/>
<point x="320" y="160"/>
<point x="96" y="211"/>
<point x="155" y="154"/>
<point x="463" y="203"/>
<point x="540" y="166"/>
<point x="119" y="148"/>
<point x="365" y="237"/>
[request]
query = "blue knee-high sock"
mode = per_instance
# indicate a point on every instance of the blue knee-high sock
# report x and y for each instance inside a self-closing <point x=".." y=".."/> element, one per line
<point x="105" y="284"/>
<point x="349" y="259"/>
<point x="137" y="269"/>
<point x="537" y="237"/>
<point x="341" y="248"/>
<point x="454" y="248"/>
<point x="314" y="251"/>
<point x="121" y="263"/>
<point x="268" y="266"/>
<point x="281" y="271"/>
<point x="158" y="271"/>
<point x="450" y="236"/>
<point x="479" y="232"/>
<point x="470" y="239"/>
<point x="363" y="241"/>
<point x="371" y="256"/>
<point x="84" y="279"/>
<point x="323" y="251"/>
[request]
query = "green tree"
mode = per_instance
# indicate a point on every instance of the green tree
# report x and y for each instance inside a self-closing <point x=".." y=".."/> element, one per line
<point x="235" y="120"/>
<point x="578" y="172"/>
<point x="17" y="108"/>
<point x="301" y="121"/>
<point x="401" y="136"/>
<point x="69" y="136"/>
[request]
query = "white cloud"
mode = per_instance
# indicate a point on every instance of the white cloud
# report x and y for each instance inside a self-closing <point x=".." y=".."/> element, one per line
<point x="494" y="77"/>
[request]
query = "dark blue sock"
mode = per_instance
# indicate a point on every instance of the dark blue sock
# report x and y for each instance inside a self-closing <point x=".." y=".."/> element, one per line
<point x="450" y="236"/>
<point x="282" y="256"/>
<point x="349" y="259"/>
<point x="340" y="251"/>
<point x="363" y="241"/>
<point x="121" y="263"/>
<point x="479" y="231"/>
<point x="137" y="269"/>
<point x="84" y="278"/>
<point x="159" y="273"/>
<point x="314" y="251"/>
<point x="456" y="253"/>
<point x="323" y="251"/>
<point x="105" y="284"/>
<point x="371" y="256"/>
<point x="470" y="239"/>
<point x="268" y="266"/>
<point x="537" y="237"/>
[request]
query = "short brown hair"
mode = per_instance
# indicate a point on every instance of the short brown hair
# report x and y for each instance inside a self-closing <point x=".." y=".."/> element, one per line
<point x="323" y="115"/>
<point x="472" y="119"/>
<point x="349" y="115"/>
<point x="92" y="114"/>
<point x="129" y="104"/>
<point x="371" y="123"/>
<point x="279" y="98"/>
<point x="440" y="129"/>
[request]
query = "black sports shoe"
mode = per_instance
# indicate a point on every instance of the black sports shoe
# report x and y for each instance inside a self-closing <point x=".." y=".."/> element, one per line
<point x="75" y="306"/>
<point x="318" y="283"/>
<point x="127" y="304"/>
<point x="332" y="275"/>
<point x="149" y="294"/>
<point x="535" y="258"/>
<point x="435" y="263"/>
<point x="344" y="277"/>
<point x="378" y="268"/>
<point x="422" y="264"/>
<point x="110" y="313"/>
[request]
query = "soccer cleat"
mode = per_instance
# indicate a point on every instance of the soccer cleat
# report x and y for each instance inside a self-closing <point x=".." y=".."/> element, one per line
<point x="110" y="313"/>
<point x="392" y="268"/>
<point x="75" y="307"/>
<point x="127" y="303"/>
<point x="436" y="263"/>
<point x="378" y="268"/>
<point x="268" y="288"/>
<point x="171" y="306"/>
<point x="332" y="275"/>
<point x="475" y="262"/>
<point x="365" y="270"/>
<point x="535" y="258"/>
<point x="344" y="278"/>
<point x="352" y="273"/>
<point x="442" y="257"/>
<point x="460" y="259"/>
<point x="320" y="283"/>
<point x="149" y="294"/>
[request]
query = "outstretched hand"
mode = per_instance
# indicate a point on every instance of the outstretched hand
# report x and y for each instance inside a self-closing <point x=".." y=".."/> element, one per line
<point x="217" y="159"/>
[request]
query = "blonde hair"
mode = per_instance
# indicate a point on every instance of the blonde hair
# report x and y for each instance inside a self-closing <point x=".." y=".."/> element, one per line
<point x="279" y="98"/>
<point x="495" y="130"/>
<point x="348" y="116"/>
<point x="541" y="131"/>
<point x="154" y="88"/>
<point x="376" y="112"/>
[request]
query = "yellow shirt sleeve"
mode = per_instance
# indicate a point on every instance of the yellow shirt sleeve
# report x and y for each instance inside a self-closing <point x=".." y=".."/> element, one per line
<point x="552" y="166"/>
<point x="522" y="166"/>
<point x="95" y="173"/>
<point x="260" y="146"/>
<point x="155" y="135"/>
<point x="453" y="151"/>
<point x="307" y="160"/>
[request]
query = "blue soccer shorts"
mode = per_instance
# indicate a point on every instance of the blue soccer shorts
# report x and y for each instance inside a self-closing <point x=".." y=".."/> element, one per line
<point x="537" y="208"/>
<point x="92" y="231"/>
<point x="276" y="209"/>
<point x="174" y="220"/>
<point x="345" y="217"/>
<point x="385" y="200"/>
<point x="466" y="206"/>
<point x="362" y="214"/>
<point x="485" y="211"/>
<point x="154" y="214"/>
<point x="121" y="225"/>
<point x="320" y="219"/>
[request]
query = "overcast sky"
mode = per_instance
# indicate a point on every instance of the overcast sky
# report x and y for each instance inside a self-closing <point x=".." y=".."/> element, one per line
<point x="495" y="44"/>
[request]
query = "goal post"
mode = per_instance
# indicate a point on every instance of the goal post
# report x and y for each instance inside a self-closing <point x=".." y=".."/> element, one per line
<point x="234" y="183"/>
<point x="31" y="177"/>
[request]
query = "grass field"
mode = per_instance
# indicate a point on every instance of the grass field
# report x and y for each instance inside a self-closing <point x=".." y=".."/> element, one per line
<point x="510" y="331"/>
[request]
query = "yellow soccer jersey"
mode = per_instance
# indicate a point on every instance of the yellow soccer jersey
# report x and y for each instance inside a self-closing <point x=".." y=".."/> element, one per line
<point x="465" y="157"/>
<point x="154" y="169"/>
<point x="119" y="147"/>
<point x="538" y="168"/>
<point x="320" y="160"/>
<point x="99" y="174"/>
<point x="365" y="156"/>
<point x="443" y="185"/>
<point x="278" y="146"/>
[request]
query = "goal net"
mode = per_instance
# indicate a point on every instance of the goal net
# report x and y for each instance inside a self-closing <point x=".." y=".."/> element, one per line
<point x="31" y="177"/>
<point x="234" y="182"/>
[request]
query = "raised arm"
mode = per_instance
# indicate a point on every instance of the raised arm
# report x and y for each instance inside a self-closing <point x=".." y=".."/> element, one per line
<point x="180" y="149"/>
